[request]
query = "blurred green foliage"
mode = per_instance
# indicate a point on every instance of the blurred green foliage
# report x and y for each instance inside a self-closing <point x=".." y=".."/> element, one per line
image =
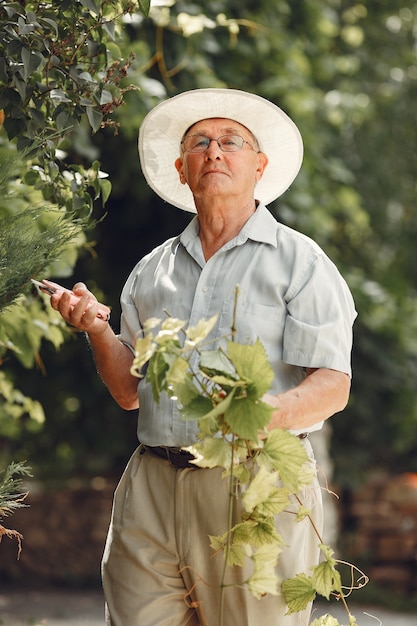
<point x="346" y="72"/>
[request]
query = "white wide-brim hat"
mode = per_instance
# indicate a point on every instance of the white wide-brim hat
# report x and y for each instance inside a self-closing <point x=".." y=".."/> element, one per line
<point x="164" y="126"/>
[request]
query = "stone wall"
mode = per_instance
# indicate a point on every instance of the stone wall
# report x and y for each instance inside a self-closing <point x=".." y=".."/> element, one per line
<point x="383" y="531"/>
<point x="64" y="534"/>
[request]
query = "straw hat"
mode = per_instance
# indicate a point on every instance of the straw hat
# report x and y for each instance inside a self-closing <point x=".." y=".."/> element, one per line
<point x="164" y="126"/>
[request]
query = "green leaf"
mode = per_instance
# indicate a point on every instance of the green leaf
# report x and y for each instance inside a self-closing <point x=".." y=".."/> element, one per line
<point x="276" y="502"/>
<point x="251" y="363"/>
<point x="196" y="409"/>
<point x="91" y="6"/>
<point x="51" y="23"/>
<point x="212" y="412"/>
<point x="170" y="329"/>
<point x="241" y="473"/>
<point x="298" y="593"/>
<point x="94" y="117"/>
<point x="144" y="6"/>
<point x="185" y="391"/>
<point x="235" y="542"/>
<point x="31" y="61"/>
<point x="13" y="126"/>
<point x="264" y="495"/>
<point x="285" y="453"/>
<point x="65" y="120"/>
<point x="110" y="29"/>
<point x="259" y="488"/>
<point x="216" y="362"/>
<point x="32" y="177"/>
<point x="58" y="95"/>
<point x="106" y="97"/>
<point x="326" y="620"/>
<point x="302" y="513"/>
<point x="325" y="577"/>
<point x="155" y="374"/>
<point x="212" y="452"/>
<point x="264" y="578"/>
<point x="114" y="50"/>
<point x="264" y="532"/>
<point x="235" y="553"/>
<point x="144" y="350"/>
<point x="246" y="417"/>
<point x="177" y="372"/>
<point x="196" y="334"/>
<point x="105" y="187"/>
<point x="241" y="532"/>
<point x="151" y="323"/>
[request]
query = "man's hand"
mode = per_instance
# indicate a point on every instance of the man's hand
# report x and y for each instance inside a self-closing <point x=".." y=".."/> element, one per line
<point x="84" y="314"/>
<point x="320" y="395"/>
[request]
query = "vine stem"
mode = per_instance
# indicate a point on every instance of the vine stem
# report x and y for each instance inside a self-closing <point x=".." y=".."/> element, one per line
<point x="229" y="536"/>
<point x="231" y="487"/>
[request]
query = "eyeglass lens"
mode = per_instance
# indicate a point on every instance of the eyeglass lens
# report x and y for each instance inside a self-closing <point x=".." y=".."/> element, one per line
<point x="200" y="143"/>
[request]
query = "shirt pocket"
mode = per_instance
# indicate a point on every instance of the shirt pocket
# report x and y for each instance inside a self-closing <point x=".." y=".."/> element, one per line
<point x="256" y="321"/>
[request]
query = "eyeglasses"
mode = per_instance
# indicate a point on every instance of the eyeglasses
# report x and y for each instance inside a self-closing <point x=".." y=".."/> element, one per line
<point x="226" y="143"/>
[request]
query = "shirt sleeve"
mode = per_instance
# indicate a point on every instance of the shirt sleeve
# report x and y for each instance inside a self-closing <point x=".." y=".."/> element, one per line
<point x="130" y="326"/>
<point x="321" y="312"/>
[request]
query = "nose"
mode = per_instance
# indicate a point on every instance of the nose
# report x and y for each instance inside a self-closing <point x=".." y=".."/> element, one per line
<point x="213" y="150"/>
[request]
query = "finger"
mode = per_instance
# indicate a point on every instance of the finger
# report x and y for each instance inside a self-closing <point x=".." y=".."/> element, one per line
<point x="60" y="301"/>
<point x="83" y="315"/>
<point x="80" y="288"/>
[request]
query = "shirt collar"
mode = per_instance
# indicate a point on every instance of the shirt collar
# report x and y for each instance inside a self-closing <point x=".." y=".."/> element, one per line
<point x="261" y="226"/>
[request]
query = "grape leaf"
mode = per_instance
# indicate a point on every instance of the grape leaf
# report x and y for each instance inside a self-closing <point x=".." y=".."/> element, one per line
<point x="242" y="531"/>
<point x="246" y="417"/>
<point x="196" y="334"/>
<point x="211" y="452"/>
<point x="177" y="372"/>
<point x="214" y="362"/>
<point x="264" y="495"/>
<point x="251" y="363"/>
<point x="264" y="578"/>
<point x="326" y="578"/>
<point x="285" y="453"/>
<point x="144" y="349"/>
<point x="325" y="620"/>
<point x="197" y="408"/>
<point x="155" y="374"/>
<point x="264" y="532"/>
<point x="259" y="488"/>
<point x="184" y="390"/>
<point x="235" y="553"/>
<point x="298" y="593"/>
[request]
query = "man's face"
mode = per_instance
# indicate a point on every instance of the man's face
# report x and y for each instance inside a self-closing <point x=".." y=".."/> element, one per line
<point x="215" y="173"/>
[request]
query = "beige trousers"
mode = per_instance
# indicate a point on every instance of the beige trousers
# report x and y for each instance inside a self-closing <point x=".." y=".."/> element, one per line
<point x="158" y="568"/>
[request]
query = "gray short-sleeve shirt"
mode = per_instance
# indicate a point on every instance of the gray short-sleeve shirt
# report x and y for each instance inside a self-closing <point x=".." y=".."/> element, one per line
<point x="291" y="297"/>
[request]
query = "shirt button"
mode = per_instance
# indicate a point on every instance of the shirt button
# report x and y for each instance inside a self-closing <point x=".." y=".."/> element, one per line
<point x="204" y="289"/>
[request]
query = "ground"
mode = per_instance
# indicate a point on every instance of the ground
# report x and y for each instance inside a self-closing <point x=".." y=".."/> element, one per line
<point x="76" y="608"/>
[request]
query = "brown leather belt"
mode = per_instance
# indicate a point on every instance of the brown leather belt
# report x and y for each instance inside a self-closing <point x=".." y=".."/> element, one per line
<point x="179" y="457"/>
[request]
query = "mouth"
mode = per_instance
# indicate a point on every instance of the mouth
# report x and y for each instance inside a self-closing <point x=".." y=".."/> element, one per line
<point x="215" y="171"/>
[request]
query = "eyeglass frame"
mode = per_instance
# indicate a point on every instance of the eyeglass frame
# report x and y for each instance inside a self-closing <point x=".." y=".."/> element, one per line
<point x="210" y="139"/>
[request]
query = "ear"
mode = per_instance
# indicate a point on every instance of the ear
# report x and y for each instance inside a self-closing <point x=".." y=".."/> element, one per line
<point x="262" y="163"/>
<point x="180" y="170"/>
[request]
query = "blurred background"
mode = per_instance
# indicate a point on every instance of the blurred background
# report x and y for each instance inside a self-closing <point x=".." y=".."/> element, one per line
<point x="74" y="87"/>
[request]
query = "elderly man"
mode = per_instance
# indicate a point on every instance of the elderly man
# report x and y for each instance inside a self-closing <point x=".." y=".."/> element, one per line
<point x="223" y="154"/>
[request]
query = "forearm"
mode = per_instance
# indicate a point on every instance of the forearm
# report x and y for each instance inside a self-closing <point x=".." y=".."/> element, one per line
<point x="113" y="360"/>
<point x="321" y="394"/>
